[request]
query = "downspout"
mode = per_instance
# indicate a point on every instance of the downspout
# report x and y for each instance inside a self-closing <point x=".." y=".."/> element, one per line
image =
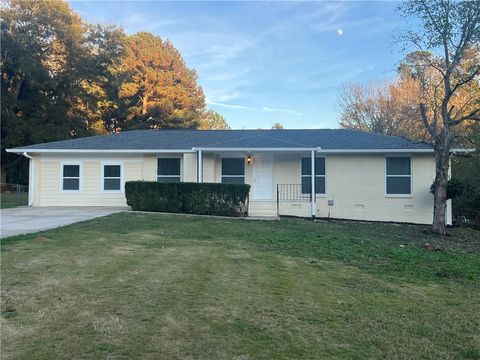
<point x="448" y="203"/>
<point x="313" y="195"/>
<point x="200" y="166"/>
<point x="314" y="192"/>
<point x="31" y="178"/>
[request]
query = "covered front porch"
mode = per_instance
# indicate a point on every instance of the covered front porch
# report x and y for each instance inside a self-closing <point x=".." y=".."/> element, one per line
<point x="278" y="184"/>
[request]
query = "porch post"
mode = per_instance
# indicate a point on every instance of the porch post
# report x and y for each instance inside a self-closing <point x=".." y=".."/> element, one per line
<point x="314" y="198"/>
<point x="200" y="167"/>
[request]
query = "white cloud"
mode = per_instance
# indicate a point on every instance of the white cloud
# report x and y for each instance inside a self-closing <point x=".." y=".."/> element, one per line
<point x="229" y="106"/>
<point x="245" y="107"/>
<point x="280" y="110"/>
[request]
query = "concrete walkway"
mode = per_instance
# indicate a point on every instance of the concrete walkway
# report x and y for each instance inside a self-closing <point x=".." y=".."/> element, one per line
<point x="24" y="220"/>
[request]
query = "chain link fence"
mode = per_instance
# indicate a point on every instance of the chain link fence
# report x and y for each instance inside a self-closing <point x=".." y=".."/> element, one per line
<point x="13" y="195"/>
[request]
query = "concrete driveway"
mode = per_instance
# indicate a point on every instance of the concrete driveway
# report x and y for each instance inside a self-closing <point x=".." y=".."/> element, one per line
<point x="24" y="220"/>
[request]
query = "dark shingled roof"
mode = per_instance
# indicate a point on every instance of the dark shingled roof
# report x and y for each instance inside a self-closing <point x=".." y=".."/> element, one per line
<point x="327" y="139"/>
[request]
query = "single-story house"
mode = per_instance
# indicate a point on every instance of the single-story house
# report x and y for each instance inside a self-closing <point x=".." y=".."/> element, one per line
<point x="334" y="173"/>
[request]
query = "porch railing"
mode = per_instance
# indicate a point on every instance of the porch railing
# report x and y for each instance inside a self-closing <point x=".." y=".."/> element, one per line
<point x="291" y="192"/>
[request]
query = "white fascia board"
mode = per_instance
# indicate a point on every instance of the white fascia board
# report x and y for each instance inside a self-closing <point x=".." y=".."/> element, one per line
<point x="463" y="151"/>
<point x="96" y="151"/>
<point x="159" y="151"/>
<point x="320" y="150"/>
<point x="256" y="149"/>
<point x="375" y="151"/>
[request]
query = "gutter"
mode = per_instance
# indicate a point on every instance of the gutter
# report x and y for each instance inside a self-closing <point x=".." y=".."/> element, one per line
<point x="317" y="149"/>
<point x="464" y="151"/>
<point x="195" y="149"/>
<point x="96" y="151"/>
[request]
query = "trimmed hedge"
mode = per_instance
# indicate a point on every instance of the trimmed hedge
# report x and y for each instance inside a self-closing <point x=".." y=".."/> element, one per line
<point x="188" y="198"/>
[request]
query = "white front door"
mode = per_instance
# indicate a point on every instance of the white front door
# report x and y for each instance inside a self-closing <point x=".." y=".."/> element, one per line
<point x="262" y="177"/>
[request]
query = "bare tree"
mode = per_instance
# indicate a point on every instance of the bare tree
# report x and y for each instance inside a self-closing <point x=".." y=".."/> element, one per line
<point x="384" y="108"/>
<point x="450" y="31"/>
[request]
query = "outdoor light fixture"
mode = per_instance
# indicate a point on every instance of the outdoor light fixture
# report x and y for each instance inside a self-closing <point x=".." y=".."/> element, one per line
<point x="249" y="159"/>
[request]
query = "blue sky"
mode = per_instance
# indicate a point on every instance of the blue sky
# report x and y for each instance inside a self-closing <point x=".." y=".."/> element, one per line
<point x="263" y="62"/>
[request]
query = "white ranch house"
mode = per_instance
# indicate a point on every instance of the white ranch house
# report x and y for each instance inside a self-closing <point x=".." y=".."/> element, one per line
<point x="339" y="173"/>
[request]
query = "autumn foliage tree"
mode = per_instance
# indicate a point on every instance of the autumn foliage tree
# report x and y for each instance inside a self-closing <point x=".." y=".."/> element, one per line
<point x="450" y="31"/>
<point x="437" y="96"/>
<point x="384" y="108"/>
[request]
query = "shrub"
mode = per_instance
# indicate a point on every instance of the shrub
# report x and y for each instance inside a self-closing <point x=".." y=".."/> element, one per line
<point x="454" y="188"/>
<point x="189" y="198"/>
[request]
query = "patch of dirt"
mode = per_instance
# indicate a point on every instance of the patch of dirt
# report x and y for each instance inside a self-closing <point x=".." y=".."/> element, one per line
<point x="432" y="247"/>
<point x="41" y="240"/>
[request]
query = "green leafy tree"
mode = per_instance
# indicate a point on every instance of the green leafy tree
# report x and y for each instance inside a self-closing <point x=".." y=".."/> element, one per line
<point x="97" y="104"/>
<point x="159" y="91"/>
<point x="212" y="120"/>
<point x="42" y="48"/>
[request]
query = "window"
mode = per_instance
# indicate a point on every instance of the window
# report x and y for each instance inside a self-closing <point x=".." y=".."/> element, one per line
<point x="319" y="175"/>
<point x="233" y="171"/>
<point x="399" y="175"/>
<point x="168" y="170"/>
<point x="112" y="177"/>
<point x="71" y="177"/>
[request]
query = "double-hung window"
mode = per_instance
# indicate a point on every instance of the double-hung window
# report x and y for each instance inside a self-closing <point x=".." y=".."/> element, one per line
<point x="319" y="175"/>
<point x="112" y="177"/>
<point x="398" y="175"/>
<point x="233" y="171"/>
<point x="168" y="170"/>
<point x="71" y="177"/>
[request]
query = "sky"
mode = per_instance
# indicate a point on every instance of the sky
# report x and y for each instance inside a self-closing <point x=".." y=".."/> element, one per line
<point x="266" y="62"/>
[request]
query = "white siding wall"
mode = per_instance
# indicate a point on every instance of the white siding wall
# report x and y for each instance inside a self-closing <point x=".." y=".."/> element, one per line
<point x="355" y="184"/>
<point x="48" y="172"/>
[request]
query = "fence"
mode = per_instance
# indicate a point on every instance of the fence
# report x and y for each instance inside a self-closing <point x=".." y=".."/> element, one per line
<point x="13" y="195"/>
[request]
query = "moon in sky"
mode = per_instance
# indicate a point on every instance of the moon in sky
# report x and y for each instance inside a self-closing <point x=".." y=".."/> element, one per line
<point x="340" y="32"/>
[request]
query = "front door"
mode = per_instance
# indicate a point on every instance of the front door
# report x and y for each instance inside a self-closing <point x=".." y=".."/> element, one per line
<point x="262" y="177"/>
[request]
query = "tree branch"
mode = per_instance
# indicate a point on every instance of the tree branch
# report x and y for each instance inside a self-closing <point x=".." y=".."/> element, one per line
<point x="467" y="79"/>
<point x="474" y="116"/>
<point x="424" y="116"/>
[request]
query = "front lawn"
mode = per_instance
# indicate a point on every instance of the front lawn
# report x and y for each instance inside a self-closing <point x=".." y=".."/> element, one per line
<point x="152" y="286"/>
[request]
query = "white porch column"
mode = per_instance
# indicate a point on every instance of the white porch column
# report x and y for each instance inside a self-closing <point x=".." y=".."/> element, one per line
<point x="200" y="166"/>
<point x="314" y="197"/>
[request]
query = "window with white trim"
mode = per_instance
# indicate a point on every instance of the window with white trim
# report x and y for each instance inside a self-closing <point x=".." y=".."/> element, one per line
<point x="71" y="177"/>
<point x="112" y="177"/>
<point x="319" y="175"/>
<point x="398" y="175"/>
<point x="233" y="171"/>
<point x="168" y="170"/>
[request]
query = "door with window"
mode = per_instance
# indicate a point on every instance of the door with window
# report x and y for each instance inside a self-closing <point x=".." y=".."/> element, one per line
<point x="262" y="187"/>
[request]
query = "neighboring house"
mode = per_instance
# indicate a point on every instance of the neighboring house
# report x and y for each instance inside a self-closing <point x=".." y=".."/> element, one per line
<point x="361" y="176"/>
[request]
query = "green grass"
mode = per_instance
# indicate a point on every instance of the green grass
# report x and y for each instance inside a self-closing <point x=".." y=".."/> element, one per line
<point x="151" y="286"/>
<point x="13" y="200"/>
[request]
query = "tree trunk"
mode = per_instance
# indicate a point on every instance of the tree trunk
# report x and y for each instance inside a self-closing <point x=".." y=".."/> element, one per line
<point x="3" y="179"/>
<point x="440" y="193"/>
<point x="144" y="104"/>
